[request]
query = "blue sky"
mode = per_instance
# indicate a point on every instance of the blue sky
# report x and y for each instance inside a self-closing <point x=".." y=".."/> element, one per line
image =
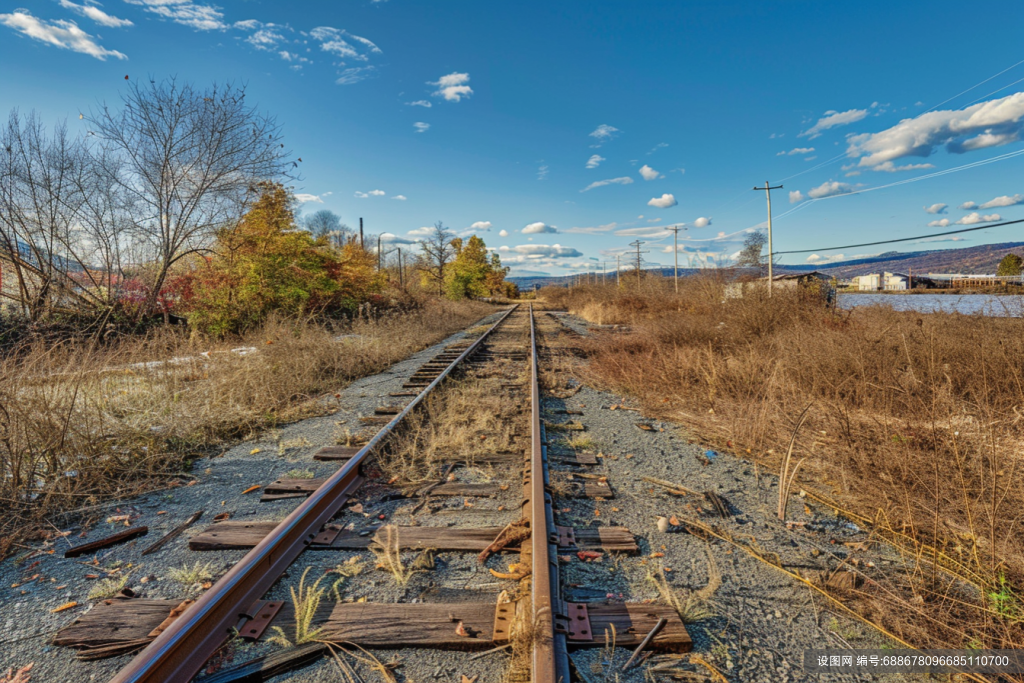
<point x="562" y="131"/>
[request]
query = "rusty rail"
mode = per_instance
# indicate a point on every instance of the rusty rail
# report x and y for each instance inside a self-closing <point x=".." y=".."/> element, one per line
<point x="180" y="652"/>
<point x="550" y="662"/>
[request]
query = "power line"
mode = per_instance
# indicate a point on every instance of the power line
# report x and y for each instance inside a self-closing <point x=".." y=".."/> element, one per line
<point x="902" y="239"/>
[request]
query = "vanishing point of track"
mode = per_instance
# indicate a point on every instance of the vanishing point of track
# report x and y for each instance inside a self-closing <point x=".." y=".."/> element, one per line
<point x="181" y="651"/>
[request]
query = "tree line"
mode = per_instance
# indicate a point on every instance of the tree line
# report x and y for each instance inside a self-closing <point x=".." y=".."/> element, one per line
<point x="174" y="203"/>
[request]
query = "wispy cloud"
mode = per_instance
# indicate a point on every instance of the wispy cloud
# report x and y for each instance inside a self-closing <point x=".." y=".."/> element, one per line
<point x="95" y="14"/>
<point x="59" y="33"/>
<point x="452" y="87"/>
<point x="625" y="180"/>
<point x="596" y="230"/>
<point x="833" y="119"/>
<point x="1005" y="200"/>
<point x="830" y="188"/>
<point x="302" y="198"/>
<point x="420" y="103"/>
<point x="400" y="197"/>
<point x="889" y="167"/>
<point x="354" y="74"/>
<point x="660" y="145"/>
<point x="796" y="150"/>
<point x="341" y="43"/>
<point x="542" y="171"/>
<point x="198" y="17"/>
<point x="595" y="160"/>
<point x="936" y="208"/>
<point x="421" y="127"/>
<point x="371" y="193"/>
<point x="603" y="133"/>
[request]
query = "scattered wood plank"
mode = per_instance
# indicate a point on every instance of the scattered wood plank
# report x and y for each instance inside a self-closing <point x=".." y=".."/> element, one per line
<point x="300" y="488"/>
<point x="633" y="621"/>
<point x="466" y="490"/>
<point x="375" y="420"/>
<point x="116" y="621"/>
<point x="126" y="535"/>
<point x="336" y="453"/>
<point x="173" y="533"/>
<point x="375" y="625"/>
<point x="608" y="538"/>
<point x="578" y="458"/>
<point x="264" y="668"/>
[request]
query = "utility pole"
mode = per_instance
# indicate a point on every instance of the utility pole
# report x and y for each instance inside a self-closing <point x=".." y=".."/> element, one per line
<point x="675" y="251"/>
<point x="604" y="272"/>
<point x="401" y="270"/>
<point x="361" y="244"/>
<point x="768" y="194"/>
<point x="638" y="244"/>
<point x="378" y="254"/>
<point x="618" y="267"/>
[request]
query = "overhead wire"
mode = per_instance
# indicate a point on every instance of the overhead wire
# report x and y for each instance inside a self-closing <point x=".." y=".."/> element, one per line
<point x="903" y="239"/>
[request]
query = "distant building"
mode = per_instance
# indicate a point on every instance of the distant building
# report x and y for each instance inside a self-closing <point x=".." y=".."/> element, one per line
<point x="891" y="282"/>
<point x="813" y="283"/>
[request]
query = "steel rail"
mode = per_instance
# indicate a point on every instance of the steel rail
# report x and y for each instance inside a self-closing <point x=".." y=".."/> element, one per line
<point x="550" y="660"/>
<point x="181" y="651"/>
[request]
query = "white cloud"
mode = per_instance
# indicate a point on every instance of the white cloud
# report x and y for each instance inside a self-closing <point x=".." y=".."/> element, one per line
<point x="371" y="193"/>
<point x="302" y="198"/>
<point x="797" y="150"/>
<point x="542" y="172"/>
<point x="96" y="14"/>
<point x="936" y="208"/>
<point x="702" y="222"/>
<point x="481" y="225"/>
<point x="538" y="228"/>
<point x="503" y="233"/>
<point x="62" y="34"/>
<point x="974" y="218"/>
<point x="533" y="251"/>
<point x="594" y="161"/>
<point x="663" y="202"/>
<point x="198" y="17"/>
<point x="890" y="167"/>
<point x="265" y="39"/>
<point x="649" y="173"/>
<point x="987" y="124"/>
<point x="660" y="145"/>
<point x="421" y="127"/>
<point x="604" y="133"/>
<point x="832" y="119"/>
<point x="293" y="57"/>
<point x="625" y="180"/>
<point x="421" y="232"/>
<point x="941" y="223"/>
<point x="952" y="238"/>
<point x="420" y="103"/>
<point x="452" y="87"/>
<point x="830" y="188"/>
<point x="968" y="206"/>
<point x="400" y="197"/>
<point x="389" y="238"/>
<point x="821" y="260"/>
<point x="1005" y="200"/>
<point x="340" y="43"/>
<point x="796" y="196"/>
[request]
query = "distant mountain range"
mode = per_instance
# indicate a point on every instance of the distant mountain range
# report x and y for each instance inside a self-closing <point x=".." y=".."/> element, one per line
<point x="980" y="260"/>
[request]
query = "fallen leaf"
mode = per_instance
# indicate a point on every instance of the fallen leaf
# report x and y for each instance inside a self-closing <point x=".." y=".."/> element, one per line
<point x="161" y="512"/>
<point x="19" y="676"/>
<point x="65" y="606"/>
<point x="88" y="576"/>
<point x="467" y="679"/>
<point x="118" y="518"/>
<point x="358" y="508"/>
<point x="565" y="558"/>
<point x="588" y="555"/>
<point x="657" y="554"/>
<point x="460" y="630"/>
<point x="666" y="569"/>
<point x="673" y="520"/>
<point x="254" y="487"/>
<point x="222" y="516"/>
<point x="254" y="451"/>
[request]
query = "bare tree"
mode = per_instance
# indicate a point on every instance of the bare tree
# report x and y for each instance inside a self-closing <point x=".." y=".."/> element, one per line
<point x="438" y="253"/>
<point x="326" y="223"/>
<point x="40" y="203"/>
<point x="750" y="256"/>
<point x="190" y="162"/>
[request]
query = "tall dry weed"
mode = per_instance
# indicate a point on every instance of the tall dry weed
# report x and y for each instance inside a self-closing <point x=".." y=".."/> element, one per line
<point x="80" y="424"/>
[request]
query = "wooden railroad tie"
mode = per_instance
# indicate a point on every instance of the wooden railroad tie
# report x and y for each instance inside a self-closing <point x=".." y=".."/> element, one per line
<point x="233" y="535"/>
<point x="123" y="625"/>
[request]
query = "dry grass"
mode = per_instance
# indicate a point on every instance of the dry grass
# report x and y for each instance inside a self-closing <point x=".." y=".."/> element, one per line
<point x="306" y="602"/>
<point x="692" y="606"/>
<point x="388" y="552"/>
<point x="78" y="425"/>
<point x="915" y="428"/>
<point x="189" y="576"/>
<point x="108" y="588"/>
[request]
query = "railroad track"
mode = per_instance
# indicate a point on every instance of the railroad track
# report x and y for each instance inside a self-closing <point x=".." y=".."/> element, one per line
<point x="188" y="635"/>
